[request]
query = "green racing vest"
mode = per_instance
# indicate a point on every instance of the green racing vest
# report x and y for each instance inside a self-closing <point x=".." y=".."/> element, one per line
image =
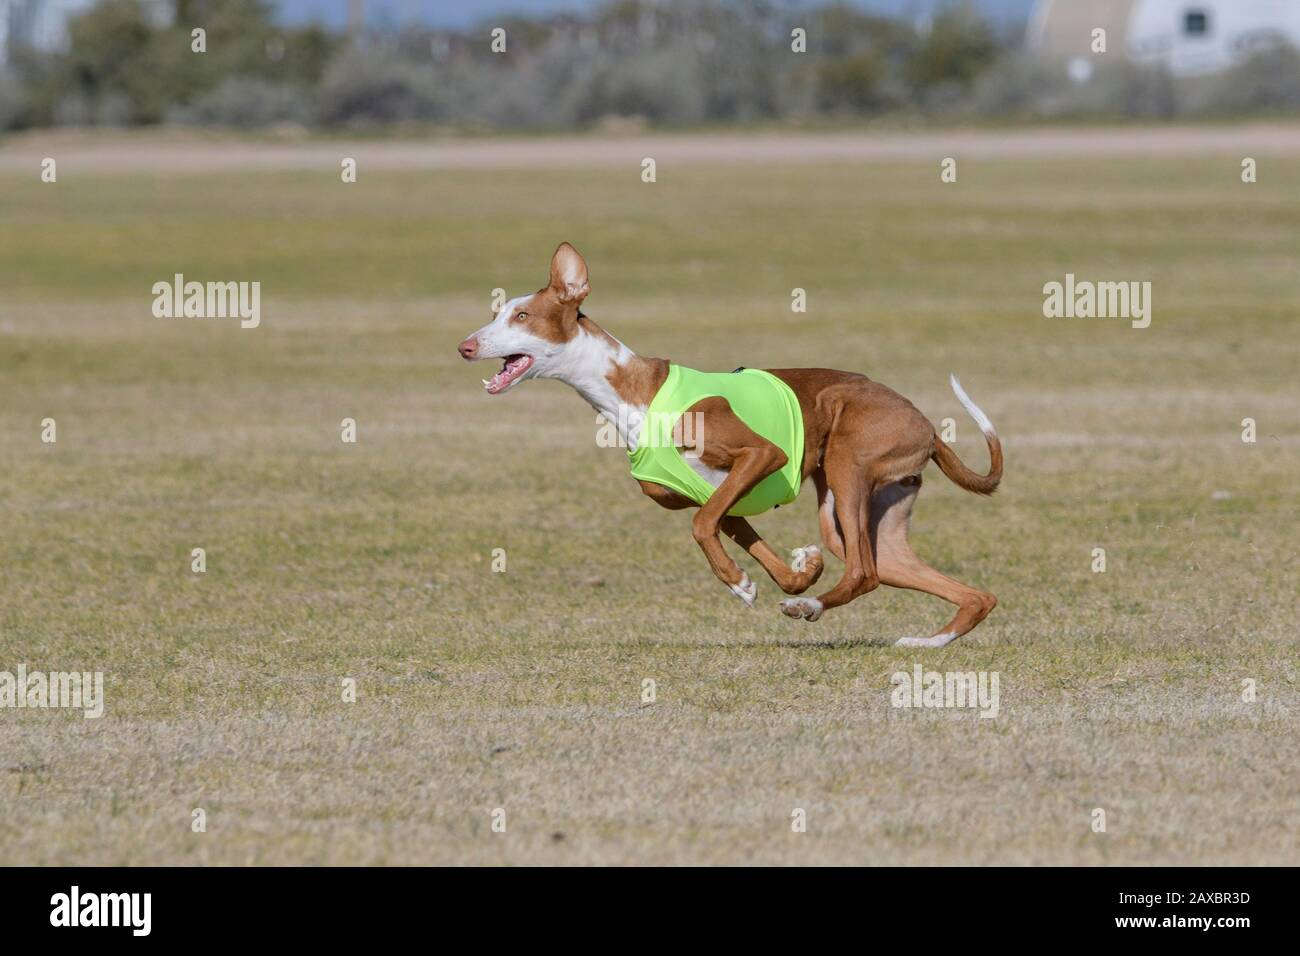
<point x="760" y="399"/>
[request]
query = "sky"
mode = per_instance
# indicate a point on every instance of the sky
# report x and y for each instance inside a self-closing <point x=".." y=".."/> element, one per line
<point x="452" y="14"/>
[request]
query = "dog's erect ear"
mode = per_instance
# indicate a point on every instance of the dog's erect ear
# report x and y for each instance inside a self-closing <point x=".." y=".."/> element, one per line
<point x="569" y="275"/>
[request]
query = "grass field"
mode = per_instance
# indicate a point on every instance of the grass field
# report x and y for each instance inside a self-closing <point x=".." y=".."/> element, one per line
<point x="522" y="690"/>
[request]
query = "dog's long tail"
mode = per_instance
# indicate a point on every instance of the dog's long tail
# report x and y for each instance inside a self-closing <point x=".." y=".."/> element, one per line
<point x="952" y="466"/>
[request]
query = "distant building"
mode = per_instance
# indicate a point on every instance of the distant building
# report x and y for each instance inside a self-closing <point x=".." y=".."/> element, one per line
<point x="43" y="24"/>
<point x="1208" y="37"/>
<point x="1186" y="36"/>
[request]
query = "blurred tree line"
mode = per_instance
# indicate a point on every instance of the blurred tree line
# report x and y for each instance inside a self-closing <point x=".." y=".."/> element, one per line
<point x="673" y="63"/>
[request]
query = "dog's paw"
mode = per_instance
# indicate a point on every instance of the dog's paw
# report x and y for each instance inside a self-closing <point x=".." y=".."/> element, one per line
<point x="810" y="609"/>
<point x="939" y="640"/>
<point x="746" y="590"/>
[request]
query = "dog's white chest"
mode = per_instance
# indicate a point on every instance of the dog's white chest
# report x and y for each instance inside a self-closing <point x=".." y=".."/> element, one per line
<point x="714" y="476"/>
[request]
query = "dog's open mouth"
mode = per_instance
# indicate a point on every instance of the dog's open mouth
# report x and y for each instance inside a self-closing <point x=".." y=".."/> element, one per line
<point x="512" y="371"/>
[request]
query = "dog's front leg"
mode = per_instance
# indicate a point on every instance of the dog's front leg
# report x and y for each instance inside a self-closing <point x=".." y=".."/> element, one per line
<point x="748" y="458"/>
<point x="751" y="466"/>
<point x="791" y="580"/>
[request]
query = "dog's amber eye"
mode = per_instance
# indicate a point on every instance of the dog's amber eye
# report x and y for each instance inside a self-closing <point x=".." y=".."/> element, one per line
<point x="521" y="316"/>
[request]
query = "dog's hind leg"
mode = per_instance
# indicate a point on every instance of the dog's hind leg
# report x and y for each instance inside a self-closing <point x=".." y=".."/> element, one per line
<point x="850" y="492"/>
<point x="901" y="568"/>
<point x="830" y="525"/>
<point x="791" y="580"/>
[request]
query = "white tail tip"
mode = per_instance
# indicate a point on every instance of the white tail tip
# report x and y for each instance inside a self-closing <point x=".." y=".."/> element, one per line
<point x="972" y="409"/>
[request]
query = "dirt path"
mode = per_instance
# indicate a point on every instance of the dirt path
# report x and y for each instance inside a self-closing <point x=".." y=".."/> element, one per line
<point x="93" y="151"/>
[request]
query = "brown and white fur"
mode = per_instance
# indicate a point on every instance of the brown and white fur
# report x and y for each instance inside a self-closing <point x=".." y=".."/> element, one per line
<point x="864" y="448"/>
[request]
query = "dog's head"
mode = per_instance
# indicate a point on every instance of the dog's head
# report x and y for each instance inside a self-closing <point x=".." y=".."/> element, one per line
<point x="530" y="333"/>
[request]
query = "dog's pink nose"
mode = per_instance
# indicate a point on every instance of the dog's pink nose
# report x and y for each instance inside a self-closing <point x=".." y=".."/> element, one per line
<point x="469" y="348"/>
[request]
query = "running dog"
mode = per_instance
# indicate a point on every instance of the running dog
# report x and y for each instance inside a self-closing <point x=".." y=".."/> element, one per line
<point x="757" y="436"/>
